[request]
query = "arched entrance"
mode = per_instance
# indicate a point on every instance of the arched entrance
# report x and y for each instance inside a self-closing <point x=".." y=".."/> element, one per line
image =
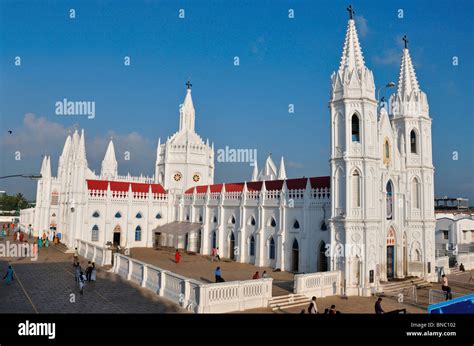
<point x="322" y="258"/>
<point x="117" y="233"/>
<point x="295" y="254"/>
<point x="232" y="246"/>
<point x="391" y="254"/>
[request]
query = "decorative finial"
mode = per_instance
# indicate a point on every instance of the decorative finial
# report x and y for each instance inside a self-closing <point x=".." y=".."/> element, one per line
<point x="405" y="40"/>
<point x="351" y="12"/>
<point x="188" y="85"/>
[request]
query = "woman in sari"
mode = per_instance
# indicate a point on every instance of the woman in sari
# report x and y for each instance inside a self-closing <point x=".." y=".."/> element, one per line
<point x="40" y="242"/>
<point x="9" y="275"/>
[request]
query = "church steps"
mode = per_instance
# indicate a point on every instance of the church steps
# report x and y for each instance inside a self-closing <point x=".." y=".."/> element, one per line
<point x="288" y="301"/>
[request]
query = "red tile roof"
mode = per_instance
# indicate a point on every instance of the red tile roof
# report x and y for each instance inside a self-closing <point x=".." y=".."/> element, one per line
<point x="270" y="185"/>
<point x="123" y="186"/>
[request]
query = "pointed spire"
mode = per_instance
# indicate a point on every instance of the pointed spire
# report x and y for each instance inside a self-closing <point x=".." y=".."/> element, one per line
<point x="270" y="169"/>
<point x="255" y="171"/>
<point x="187" y="112"/>
<point x="43" y="165"/>
<point x="282" y="170"/>
<point x="407" y="82"/>
<point x="158" y="146"/>
<point x="352" y="56"/>
<point x="47" y="169"/>
<point x="75" y="140"/>
<point x="81" y="153"/>
<point x="67" y="146"/>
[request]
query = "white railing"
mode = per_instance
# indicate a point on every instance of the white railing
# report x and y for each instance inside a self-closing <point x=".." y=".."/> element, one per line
<point x="320" y="284"/>
<point x="437" y="296"/>
<point x="193" y="295"/>
<point x="94" y="253"/>
<point x="467" y="259"/>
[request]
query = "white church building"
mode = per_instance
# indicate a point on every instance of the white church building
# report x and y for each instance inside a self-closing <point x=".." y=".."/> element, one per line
<point x="376" y="205"/>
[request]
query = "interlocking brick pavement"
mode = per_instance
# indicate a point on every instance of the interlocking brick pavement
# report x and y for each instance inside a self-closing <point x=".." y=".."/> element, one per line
<point x="47" y="286"/>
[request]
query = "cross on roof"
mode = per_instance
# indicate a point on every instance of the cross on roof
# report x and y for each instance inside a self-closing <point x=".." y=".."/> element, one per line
<point x="405" y="40"/>
<point x="351" y="11"/>
<point x="188" y="85"/>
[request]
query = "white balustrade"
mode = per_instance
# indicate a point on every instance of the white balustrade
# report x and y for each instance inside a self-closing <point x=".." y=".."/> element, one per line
<point x="94" y="253"/>
<point x="319" y="284"/>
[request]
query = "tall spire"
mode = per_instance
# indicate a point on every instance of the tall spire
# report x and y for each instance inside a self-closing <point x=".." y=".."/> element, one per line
<point x="407" y="82"/>
<point x="47" y="168"/>
<point x="255" y="171"/>
<point x="351" y="53"/>
<point x="109" y="164"/>
<point x="282" y="170"/>
<point x="81" y="150"/>
<point x="187" y="112"/>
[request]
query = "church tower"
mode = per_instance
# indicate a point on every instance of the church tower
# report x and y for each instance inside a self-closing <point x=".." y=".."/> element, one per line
<point x="109" y="164"/>
<point x="184" y="160"/>
<point x="412" y="124"/>
<point x="354" y="160"/>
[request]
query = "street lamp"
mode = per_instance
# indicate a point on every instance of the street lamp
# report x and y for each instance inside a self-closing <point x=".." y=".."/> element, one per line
<point x="389" y="85"/>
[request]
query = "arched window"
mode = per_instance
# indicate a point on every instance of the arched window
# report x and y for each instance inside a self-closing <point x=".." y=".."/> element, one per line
<point x="413" y="142"/>
<point x="389" y="201"/>
<point x="214" y="239"/>
<point x="355" y="128"/>
<point x="138" y="216"/>
<point x="96" y="214"/>
<point x="355" y="189"/>
<point x="95" y="233"/>
<point x="273" y="222"/>
<point x="417" y="255"/>
<point x="415" y="193"/>
<point x="296" y="225"/>
<point x="118" y="215"/>
<point x="324" y="227"/>
<point x="295" y="245"/>
<point x="200" y="218"/>
<point x="138" y="233"/>
<point x="252" y="246"/>
<point x="158" y="216"/>
<point x="271" y="249"/>
<point x="214" y="219"/>
<point x="187" y="217"/>
<point x="252" y="221"/>
<point x="386" y="152"/>
<point x="232" y="220"/>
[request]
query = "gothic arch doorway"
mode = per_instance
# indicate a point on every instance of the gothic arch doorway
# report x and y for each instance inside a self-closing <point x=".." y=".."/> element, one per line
<point x="391" y="264"/>
<point x="295" y="255"/>
<point x="232" y="246"/>
<point x="117" y="234"/>
<point x="322" y="258"/>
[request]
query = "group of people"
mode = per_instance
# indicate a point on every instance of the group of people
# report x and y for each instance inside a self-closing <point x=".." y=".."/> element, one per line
<point x="50" y="238"/>
<point x="6" y="228"/>
<point x="81" y="278"/>
<point x="257" y="275"/>
<point x="313" y="308"/>
<point x="19" y="236"/>
<point x="215" y="255"/>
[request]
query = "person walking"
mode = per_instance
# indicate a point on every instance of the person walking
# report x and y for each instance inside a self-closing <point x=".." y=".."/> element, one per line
<point x="89" y="271"/>
<point x="177" y="256"/>
<point x="445" y="287"/>
<point x="332" y="310"/>
<point x="264" y="274"/>
<point x="378" y="307"/>
<point x="21" y="237"/>
<point x="46" y="242"/>
<point x="93" y="272"/>
<point x="312" y="308"/>
<point x="213" y="254"/>
<point x="77" y="271"/>
<point x="82" y="282"/>
<point x="40" y="242"/>
<point x="256" y="276"/>
<point x="9" y="275"/>
<point x="217" y="254"/>
<point x="218" y="275"/>
<point x="76" y="255"/>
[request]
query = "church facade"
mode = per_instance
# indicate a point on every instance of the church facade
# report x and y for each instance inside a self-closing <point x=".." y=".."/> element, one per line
<point x="372" y="218"/>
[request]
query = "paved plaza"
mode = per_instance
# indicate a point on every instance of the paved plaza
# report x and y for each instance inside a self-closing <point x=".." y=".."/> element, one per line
<point x="46" y="285"/>
<point x="202" y="268"/>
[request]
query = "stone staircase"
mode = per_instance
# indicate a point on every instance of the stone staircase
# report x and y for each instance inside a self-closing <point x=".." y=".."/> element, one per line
<point x="61" y="247"/>
<point x="288" y="301"/>
<point x="393" y="287"/>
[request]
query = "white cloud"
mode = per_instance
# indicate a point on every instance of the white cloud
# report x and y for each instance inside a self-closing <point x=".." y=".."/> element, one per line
<point x="362" y="27"/>
<point x="293" y="164"/>
<point x="389" y="57"/>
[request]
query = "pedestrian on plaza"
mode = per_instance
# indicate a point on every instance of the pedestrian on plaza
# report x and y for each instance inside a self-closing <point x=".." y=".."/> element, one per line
<point x="302" y="312"/>
<point x="177" y="256"/>
<point x="256" y="276"/>
<point x="21" y="237"/>
<point x="217" y="254"/>
<point x="46" y="242"/>
<point x="332" y="310"/>
<point x="40" y="242"/>
<point x="44" y="237"/>
<point x="9" y="275"/>
<point x="312" y="308"/>
<point x="461" y="267"/>
<point x="264" y="274"/>
<point x="93" y="272"/>
<point x="89" y="271"/>
<point x="14" y="236"/>
<point x="82" y="282"/>
<point x="218" y="275"/>
<point x="213" y="254"/>
<point x="378" y="307"/>
<point x="445" y="287"/>
<point x="77" y="271"/>
<point x="76" y="255"/>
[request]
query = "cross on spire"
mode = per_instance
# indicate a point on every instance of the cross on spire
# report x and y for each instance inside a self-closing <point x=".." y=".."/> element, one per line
<point x="351" y="12"/>
<point x="405" y="40"/>
<point x="188" y="85"/>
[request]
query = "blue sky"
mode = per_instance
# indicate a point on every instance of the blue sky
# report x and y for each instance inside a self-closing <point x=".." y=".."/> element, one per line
<point x="282" y="61"/>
